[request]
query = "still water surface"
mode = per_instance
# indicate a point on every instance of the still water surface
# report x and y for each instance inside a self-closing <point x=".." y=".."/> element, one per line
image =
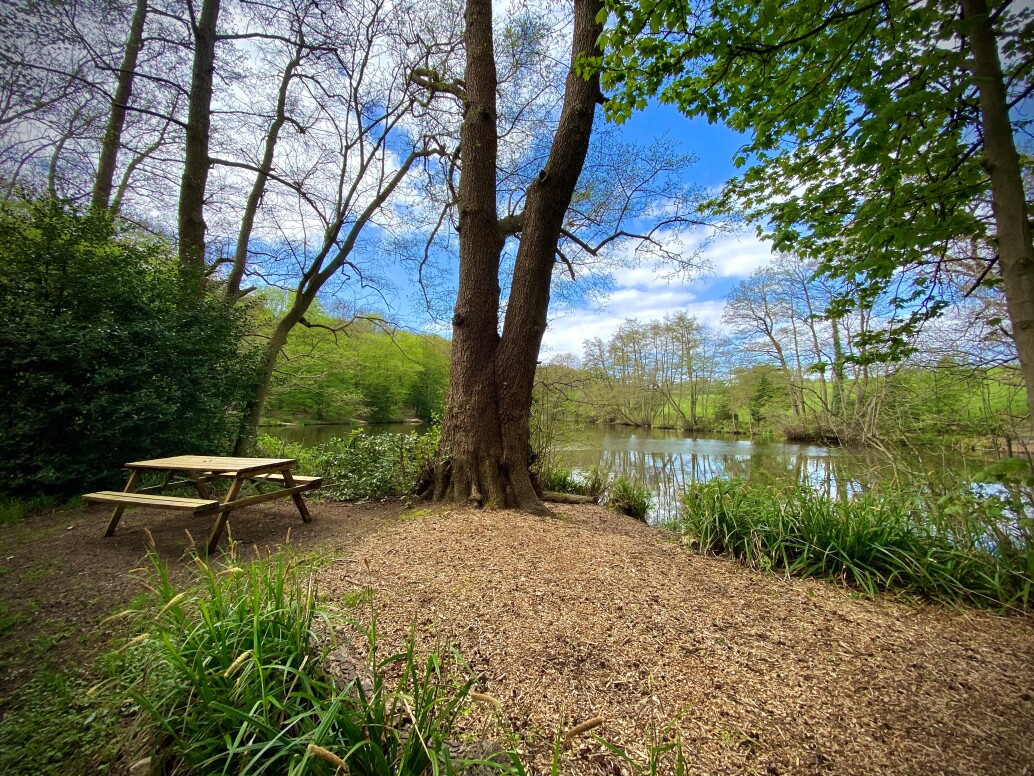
<point x="667" y="460"/>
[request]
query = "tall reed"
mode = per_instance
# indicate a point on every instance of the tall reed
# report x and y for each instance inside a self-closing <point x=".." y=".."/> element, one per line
<point x="904" y="540"/>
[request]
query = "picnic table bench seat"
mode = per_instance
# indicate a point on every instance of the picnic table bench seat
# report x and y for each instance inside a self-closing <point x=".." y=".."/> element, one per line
<point x="151" y="500"/>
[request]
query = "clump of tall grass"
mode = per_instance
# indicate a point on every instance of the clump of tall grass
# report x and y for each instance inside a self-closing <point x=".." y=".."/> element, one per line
<point x="234" y="682"/>
<point x="904" y="540"/>
<point x="558" y="480"/>
<point x="362" y="466"/>
<point x="593" y="482"/>
<point x="630" y="497"/>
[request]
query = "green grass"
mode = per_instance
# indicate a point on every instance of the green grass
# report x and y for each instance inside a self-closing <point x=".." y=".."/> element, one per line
<point x="630" y="497"/>
<point x="14" y="510"/>
<point x="232" y="682"/>
<point x="956" y="547"/>
<point x="54" y="725"/>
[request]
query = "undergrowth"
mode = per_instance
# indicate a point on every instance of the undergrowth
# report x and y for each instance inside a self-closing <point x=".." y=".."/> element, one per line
<point x="959" y="547"/>
<point x="362" y="466"/>
<point x="630" y="497"/>
<point x="233" y="681"/>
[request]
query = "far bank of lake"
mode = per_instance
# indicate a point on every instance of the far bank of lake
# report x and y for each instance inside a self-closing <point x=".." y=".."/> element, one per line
<point x="668" y="460"/>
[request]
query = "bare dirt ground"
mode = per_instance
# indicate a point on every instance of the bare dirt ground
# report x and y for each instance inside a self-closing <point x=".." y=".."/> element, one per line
<point x="596" y="615"/>
<point x="59" y="575"/>
<point x="592" y="614"/>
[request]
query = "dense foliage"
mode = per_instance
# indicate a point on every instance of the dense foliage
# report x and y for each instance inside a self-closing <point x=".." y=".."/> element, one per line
<point x="955" y="546"/>
<point x="363" y="466"/>
<point x="109" y="354"/>
<point x="341" y="368"/>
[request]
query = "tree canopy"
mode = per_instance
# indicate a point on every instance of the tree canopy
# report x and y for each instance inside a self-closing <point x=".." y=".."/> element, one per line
<point x="879" y="133"/>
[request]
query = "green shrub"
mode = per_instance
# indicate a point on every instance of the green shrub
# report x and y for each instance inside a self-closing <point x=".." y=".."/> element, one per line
<point x="953" y="547"/>
<point x="559" y="480"/>
<point x="233" y="682"/>
<point x="630" y="497"/>
<point x="363" y="466"/>
<point x="109" y="355"/>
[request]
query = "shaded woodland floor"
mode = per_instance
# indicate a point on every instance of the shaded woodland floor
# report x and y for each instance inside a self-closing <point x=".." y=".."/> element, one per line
<point x="591" y="614"/>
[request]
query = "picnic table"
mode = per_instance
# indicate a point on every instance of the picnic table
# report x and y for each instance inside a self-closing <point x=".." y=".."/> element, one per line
<point x="198" y="471"/>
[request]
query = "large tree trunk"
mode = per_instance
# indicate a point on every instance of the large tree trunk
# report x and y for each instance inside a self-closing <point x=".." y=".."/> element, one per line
<point x="104" y="181"/>
<point x="486" y="444"/>
<point x="199" y="121"/>
<point x="1012" y="224"/>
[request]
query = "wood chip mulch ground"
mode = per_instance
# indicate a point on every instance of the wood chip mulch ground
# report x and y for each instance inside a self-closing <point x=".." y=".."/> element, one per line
<point x="592" y="614"/>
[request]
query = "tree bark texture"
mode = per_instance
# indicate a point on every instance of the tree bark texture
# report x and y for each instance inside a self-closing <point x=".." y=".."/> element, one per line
<point x="199" y="123"/>
<point x="1008" y="202"/>
<point x="104" y="182"/>
<point x="485" y="434"/>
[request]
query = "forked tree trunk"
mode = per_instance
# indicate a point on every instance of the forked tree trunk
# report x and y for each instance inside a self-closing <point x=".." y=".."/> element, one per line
<point x="1012" y="224"/>
<point x="486" y="447"/>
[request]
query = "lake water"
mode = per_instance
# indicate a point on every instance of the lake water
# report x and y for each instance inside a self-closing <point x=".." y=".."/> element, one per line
<point x="667" y="461"/>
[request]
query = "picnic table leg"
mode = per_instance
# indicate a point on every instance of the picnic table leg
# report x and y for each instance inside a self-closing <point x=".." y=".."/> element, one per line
<point x="298" y="500"/>
<point x="116" y="515"/>
<point x="223" y="516"/>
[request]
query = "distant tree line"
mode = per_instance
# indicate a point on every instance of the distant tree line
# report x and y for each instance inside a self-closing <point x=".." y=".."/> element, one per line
<point x="790" y="363"/>
<point x="349" y="367"/>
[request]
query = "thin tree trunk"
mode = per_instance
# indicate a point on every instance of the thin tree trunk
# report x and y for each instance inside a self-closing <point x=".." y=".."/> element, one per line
<point x="1012" y="224"/>
<point x="258" y="189"/>
<point x="106" y="164"/>
<point x="264" y="380"/>
<point x="196" y="162"/>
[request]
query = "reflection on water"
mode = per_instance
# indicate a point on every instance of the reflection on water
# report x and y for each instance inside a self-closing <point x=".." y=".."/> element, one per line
<point x="667" y="461"/>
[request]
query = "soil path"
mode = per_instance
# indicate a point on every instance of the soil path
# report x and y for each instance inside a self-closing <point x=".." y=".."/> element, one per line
<point x="595" y="614"/>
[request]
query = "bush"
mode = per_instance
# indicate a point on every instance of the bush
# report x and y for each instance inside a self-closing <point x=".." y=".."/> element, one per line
<point x="109" y="356"/>
<point x="954" y="547"/>
<point x="233" y="682"/>
<point x="630" y="498"/>
<point x="363" y="466"/>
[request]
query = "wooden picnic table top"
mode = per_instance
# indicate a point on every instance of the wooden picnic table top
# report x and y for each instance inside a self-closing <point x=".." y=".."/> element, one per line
<point x="215" y="464"/>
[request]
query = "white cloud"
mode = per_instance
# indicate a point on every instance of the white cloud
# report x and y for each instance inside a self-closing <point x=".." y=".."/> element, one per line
<point x="738" y="255"/>
<point x="567" y="332"/>
<point x="647" y="291"/>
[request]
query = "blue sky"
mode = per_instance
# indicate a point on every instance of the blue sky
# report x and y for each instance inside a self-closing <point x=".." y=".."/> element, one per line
<point x="644" y="292"/>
